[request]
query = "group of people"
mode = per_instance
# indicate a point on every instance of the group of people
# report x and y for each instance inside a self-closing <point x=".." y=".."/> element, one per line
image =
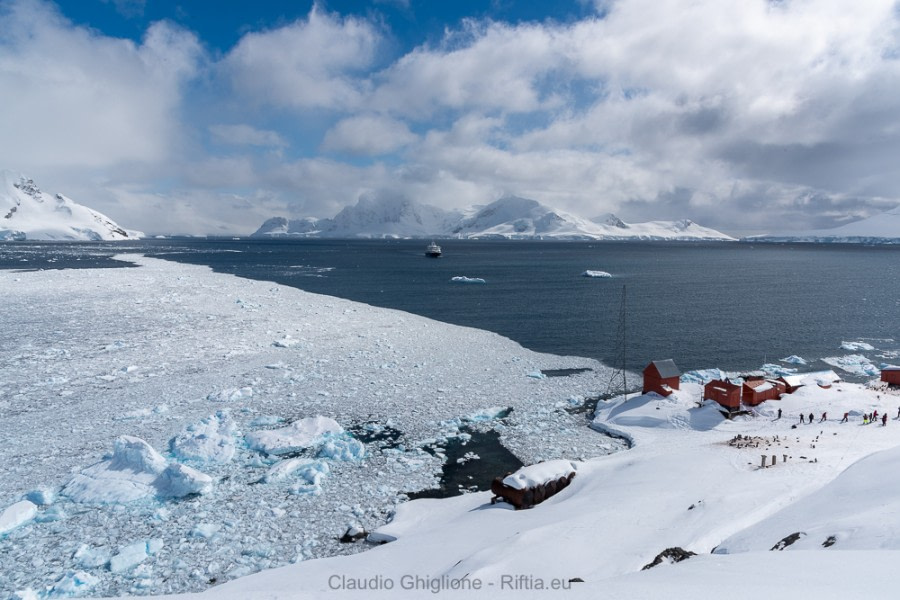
<point x="868" y="418"/>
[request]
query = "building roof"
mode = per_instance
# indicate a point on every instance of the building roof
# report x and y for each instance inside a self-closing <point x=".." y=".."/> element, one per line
<point x="891" y="368"/>
<point x="666" y="368"/>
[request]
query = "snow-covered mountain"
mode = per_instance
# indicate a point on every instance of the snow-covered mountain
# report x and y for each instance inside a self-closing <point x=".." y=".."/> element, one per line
<point x="27" y="213"/>
<point x="880" y="229"/>
<point x="510" y="218"/>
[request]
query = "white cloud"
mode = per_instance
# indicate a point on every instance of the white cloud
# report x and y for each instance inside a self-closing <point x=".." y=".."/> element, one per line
<point x="368" y="135"/>
<point x="312" y="63"/>
<point x="247" y="135"/>
<point x="72" y="97"/>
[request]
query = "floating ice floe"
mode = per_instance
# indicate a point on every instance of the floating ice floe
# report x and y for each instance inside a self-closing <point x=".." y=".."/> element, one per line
<point x="488" y="414"/>
<point x="300" y="434"/>
<point x="231" y="394"/>
<point x="212" y="440"/>
<point x="856" y="364"/>
<point x="134" y="554"/>
<point x="17" y="515"/>
<point x="90" y="557"/>
<point x="463" y="279"/>
<point x="601" y="274"/>
<point x="342" y="448"/>
<point x="134" y="471"/>
<point x="286" y="342"/>
<point x="856" y="346"/>
<point x="703" y="376"/>
<point x="773" y="370"/>
<point x="539" y="474"/>
<point x="71" y="584"/>
<point x="793" y="359"/>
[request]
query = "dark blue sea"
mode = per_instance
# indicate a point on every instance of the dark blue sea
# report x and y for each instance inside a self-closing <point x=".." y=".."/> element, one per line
<point x="734" y="306"/>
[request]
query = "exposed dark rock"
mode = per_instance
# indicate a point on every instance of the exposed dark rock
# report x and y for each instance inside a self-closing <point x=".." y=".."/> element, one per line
<point x="831" y="541"/>
<point x="675" y="554"/>
<point x="788" y="540"/>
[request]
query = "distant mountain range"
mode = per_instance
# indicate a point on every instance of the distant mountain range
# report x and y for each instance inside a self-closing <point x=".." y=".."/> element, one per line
<point x="27" y="213"/>
<point x="880" y="229"/>
<point x="507" y="218"/>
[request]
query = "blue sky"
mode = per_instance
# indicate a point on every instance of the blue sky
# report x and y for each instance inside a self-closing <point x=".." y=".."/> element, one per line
<point x="209" y="117"/>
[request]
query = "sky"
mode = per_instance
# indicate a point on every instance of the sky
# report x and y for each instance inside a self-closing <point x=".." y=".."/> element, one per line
<point x="199" y="117"/>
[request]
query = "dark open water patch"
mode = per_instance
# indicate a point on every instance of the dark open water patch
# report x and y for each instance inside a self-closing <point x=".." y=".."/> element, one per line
<point x="564" y="372"/>
<point x="462" y="474"/>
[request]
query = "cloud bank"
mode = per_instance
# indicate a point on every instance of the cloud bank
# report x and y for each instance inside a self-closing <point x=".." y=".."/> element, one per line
<point x="745" y="115"/>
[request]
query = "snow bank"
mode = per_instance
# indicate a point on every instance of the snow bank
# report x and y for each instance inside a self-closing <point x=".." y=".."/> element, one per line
<point x="539" y="474"/>
<point x="300" y="434"/>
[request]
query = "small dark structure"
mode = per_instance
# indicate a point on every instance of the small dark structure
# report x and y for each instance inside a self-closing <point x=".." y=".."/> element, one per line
<point x="727" y="394"/>
<point x="528" y="497"/>
<point x="758" y="391"/>
<point x="662" y="377"/>
<point x="891" y="375"/>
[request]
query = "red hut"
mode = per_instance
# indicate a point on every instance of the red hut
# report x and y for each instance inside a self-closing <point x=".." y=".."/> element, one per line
<point x="759" y="390"/>
<point x="662" y="377"/>
<point x="724" y="392"/>
<point x="890" y="374"/>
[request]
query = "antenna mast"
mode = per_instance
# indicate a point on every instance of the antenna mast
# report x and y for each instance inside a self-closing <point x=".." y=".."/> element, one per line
<point x="621" y="347"/>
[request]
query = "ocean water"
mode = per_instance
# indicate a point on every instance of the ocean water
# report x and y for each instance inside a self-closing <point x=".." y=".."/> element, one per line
<point x="731" y="306"/>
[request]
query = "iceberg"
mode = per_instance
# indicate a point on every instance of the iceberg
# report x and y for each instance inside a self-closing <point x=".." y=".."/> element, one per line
<point x="212" y="440"/>
<point x="296" y="436"/>
<point x="17" y="515"/>
<point x="601" y="274"/>
<point x="463" y="279"/>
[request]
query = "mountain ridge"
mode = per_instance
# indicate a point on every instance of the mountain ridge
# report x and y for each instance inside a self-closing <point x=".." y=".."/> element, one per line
<point x="511" y="217"/>
<point x="27" y="213"/>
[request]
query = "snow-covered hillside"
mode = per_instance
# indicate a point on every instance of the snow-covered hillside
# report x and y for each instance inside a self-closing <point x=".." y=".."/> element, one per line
<point x="510" y="218"/>
<point x="28" y="213"/>
<point x="880" y="229"/>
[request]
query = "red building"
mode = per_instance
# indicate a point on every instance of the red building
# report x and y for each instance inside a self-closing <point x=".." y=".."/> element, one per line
<point x="759" y="390"/>
<point x="662" y="377"/>
<point x="890" y="375"/>
<point x="724" y="392"/>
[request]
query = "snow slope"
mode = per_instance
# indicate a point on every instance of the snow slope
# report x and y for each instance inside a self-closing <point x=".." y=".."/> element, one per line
<point x="29" y="213"/>
<point x="688" y="482"/>
<point x="510" y="218"/>
<point x="880" y="229"/>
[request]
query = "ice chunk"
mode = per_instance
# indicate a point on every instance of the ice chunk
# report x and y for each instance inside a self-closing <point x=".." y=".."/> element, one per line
<point x="72" y="583"/>
<point x="179" y="480"/>
<point x="298" y="435"/>
<point x="463" y="279"/>
<point x="596" y="274"/>
<point x="17" y="515"/>
<point x="773" y="370"/>
<point x="212" y="440"/>
<point x="231" y="394"/>
<point x="537" y="375"/>
<point x="129" y="475"/>
<point x="702" y="376"/>
<point x="310" y="470"/>
<point x="342" y="448"/>
<point x="793" y="359"/>
<point x="853" y="363"/>
<point x="205" y="530"/>
<point x="539" y="474"/>
<point x="134" y="554"/>
<point x="89" y="557"/>
<point x="135" y="471"/>
<point x="286" y="342"/>
<point x="488" y="414"/>
<point x="856" y="346"/>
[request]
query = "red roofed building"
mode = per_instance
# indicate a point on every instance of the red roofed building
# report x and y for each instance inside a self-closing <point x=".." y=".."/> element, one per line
<point x="724" y="392"/>
<point x="662" y="377"/>
<point x="891" y="375"/>
<point x="759" y="390"/>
